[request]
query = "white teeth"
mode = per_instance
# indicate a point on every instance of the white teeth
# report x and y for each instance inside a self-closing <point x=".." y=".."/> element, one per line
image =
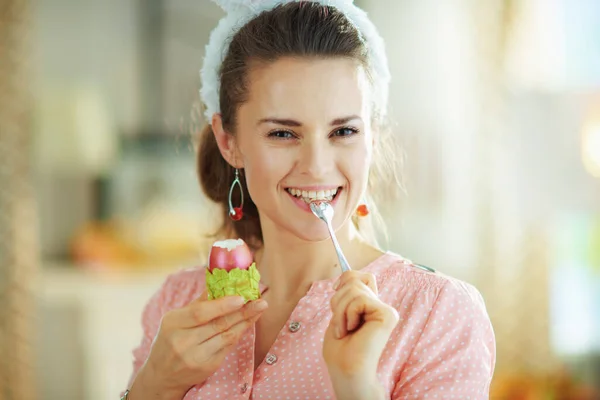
<point x="312" y="195"/>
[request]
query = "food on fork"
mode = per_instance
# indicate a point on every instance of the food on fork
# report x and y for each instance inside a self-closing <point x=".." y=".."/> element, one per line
<point x="231" y="271"/>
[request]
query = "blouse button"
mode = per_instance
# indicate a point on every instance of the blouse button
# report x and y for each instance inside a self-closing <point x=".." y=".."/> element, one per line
<point x="271" y="359"/>
<point x="294" y="326"/>
<point x="244" y="388"/>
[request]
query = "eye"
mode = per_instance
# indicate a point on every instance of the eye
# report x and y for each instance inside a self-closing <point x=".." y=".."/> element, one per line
<point x="281" y="134"/>
<point x="345" y="131"/>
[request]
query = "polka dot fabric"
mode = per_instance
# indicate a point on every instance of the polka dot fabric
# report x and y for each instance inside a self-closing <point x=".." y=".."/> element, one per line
<point x="442" y="348"/>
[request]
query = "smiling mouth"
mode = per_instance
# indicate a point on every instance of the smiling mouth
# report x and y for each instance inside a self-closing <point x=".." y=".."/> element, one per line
<point x="314" y="195"/>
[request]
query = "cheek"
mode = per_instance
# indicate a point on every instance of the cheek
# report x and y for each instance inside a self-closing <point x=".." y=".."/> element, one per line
<point x="358" y="160"/>
<point x="358" y="171"/>
<point x="264" y="169"/>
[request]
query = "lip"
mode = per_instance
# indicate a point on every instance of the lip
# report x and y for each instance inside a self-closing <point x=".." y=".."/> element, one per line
<point x="305" y="206"/>
<point x="314" y="188"/>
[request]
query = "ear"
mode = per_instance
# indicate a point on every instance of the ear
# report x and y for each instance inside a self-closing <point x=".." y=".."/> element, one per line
<point x="226" y="142"/>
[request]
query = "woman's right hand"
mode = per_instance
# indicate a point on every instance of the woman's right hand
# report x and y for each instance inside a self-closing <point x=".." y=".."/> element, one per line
<point x="191" y="344"/>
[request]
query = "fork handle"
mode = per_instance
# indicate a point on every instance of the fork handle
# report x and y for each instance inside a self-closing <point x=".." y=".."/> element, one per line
<point x="342" y="259"/>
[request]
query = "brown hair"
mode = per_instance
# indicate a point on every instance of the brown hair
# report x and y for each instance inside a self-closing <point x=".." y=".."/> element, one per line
<point x="297" y="29"/>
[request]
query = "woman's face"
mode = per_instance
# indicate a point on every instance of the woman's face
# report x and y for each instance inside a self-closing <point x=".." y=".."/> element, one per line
<point x="305" y="134"/>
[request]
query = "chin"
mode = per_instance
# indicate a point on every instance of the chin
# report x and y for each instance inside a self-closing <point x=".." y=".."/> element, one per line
<point x="296" y="219"/>
<point x="310" y="230"/>
<point x="318" y="234"/>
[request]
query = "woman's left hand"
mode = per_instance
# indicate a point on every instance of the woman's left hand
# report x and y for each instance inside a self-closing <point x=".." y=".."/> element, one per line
<point x="357" y="334"/>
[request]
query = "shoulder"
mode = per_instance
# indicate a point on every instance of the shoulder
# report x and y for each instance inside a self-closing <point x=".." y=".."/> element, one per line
<point x="443" y="325"/>
<point x="399" y="278"/>
<point x="432" y="302"/>
<point x="179" y="288"/>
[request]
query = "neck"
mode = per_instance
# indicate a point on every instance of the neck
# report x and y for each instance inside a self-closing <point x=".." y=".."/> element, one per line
<point x="289" y="265"/>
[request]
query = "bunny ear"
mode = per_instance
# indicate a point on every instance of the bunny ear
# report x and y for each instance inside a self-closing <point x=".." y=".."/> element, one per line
<point x="233" y="5"/>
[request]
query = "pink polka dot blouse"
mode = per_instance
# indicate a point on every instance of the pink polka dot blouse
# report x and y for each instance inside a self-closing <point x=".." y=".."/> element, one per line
<point x="442" y="348"/>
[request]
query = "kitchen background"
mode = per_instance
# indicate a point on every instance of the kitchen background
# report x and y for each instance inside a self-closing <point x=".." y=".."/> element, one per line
<point x="496" y="105"/>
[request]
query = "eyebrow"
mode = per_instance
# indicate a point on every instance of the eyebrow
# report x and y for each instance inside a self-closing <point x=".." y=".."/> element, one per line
<point x="294" y="123"/>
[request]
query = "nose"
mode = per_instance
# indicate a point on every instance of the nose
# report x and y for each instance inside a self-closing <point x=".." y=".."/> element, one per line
<point x="316" y="159"/>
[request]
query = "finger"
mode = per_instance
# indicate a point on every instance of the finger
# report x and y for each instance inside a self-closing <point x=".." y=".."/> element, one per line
<point x="373" y="311"/>
<point x="203" y="296"/>
<point x="200" y="312"/>
<point x="354" y="312"/>
<point x="338" y="322"/>
<point x="225" y="322"/>
<point x="338" y="316"/>
<point x="357" y="276"/>
<point x="220" y="354"/>
<point x="226" y="339"/>
<point x="344" y="321"/>
<point x="340" y="301"/>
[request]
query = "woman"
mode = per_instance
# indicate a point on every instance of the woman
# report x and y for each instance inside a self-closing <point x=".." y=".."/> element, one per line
<point x="296" y="94"/>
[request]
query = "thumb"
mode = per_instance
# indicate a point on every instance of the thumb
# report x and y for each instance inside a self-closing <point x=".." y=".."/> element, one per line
<point x="203" y="297"/>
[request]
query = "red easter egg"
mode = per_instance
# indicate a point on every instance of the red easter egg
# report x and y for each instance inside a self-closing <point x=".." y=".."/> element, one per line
<point x="229" y="254"/>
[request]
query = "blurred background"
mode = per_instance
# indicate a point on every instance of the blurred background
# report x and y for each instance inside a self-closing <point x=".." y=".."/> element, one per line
<point x="496" y="104"/>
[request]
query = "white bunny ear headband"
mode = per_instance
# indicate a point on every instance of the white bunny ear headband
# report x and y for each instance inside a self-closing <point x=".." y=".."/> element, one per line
<point x="240" y="12"/>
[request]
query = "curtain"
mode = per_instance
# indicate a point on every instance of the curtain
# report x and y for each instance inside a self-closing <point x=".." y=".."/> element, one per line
<point x="18" y="250"/>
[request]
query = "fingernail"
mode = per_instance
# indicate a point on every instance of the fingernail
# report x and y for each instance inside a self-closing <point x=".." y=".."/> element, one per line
<point x="260" y="305"/>
<point x="336" y="285"/>
<point x="236" y="301"/>
<point x="338" y="333"/>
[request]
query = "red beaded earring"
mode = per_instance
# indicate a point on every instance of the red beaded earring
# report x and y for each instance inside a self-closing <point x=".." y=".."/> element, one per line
<point x="362" y="210"/>
<point x="236" y="213"/>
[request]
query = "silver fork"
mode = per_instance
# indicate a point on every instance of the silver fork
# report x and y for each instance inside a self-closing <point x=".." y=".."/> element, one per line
<point x="324" y="212"/>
